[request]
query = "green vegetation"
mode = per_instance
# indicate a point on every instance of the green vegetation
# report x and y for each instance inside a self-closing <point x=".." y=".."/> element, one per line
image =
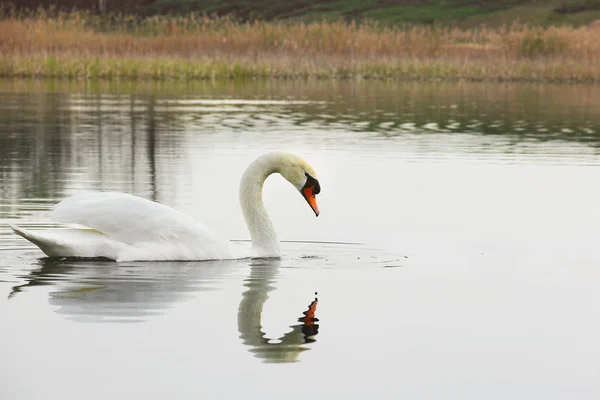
<point x="464" y="13"/>
<point x="384" y="11"/>
<point x="576" y="6"/>
<point x="87" y="45"/>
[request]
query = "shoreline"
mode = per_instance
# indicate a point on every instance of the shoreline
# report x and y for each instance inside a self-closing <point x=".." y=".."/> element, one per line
<point x="78" y="46"/>
<point x="185" y="71"/>
<point x="300" y="79"/>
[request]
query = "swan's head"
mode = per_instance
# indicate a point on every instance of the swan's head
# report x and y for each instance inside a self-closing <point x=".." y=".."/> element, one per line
<point x="300" y="174"/>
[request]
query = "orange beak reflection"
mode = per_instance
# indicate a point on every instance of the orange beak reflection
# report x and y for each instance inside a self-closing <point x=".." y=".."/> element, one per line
<point x="310" y="197"/>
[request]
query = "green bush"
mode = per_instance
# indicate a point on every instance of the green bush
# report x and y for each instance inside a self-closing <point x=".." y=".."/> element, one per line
<point x="568" y="7"/>
<point x="535" y="44"/>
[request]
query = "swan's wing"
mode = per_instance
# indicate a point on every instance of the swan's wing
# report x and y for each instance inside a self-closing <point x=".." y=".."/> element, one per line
<point x="133" y="220"/>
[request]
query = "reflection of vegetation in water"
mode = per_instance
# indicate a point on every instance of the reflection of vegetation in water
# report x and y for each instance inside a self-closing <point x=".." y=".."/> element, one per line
<point x="29" y="154"/>
<point x="57" y="137"/>
<point x="286" y="348"/>
<point x="53" y="143"/>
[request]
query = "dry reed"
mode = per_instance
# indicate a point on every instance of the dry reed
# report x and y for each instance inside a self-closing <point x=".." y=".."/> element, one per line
<point x="83" y="45"/>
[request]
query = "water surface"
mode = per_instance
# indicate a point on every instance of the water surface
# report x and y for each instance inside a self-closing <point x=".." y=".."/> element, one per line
<point x="455" y="255"/>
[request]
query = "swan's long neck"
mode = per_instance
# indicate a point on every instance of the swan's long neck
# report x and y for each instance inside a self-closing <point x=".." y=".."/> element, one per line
<point x="262" y="232"/>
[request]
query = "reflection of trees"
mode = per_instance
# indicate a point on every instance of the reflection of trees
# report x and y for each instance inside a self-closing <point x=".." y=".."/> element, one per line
<point x="30" y="147"/>
<point x="152" y="147"/>
<point x="59" y="137"/>
<point x="53" y="143"/>
<point x="517" y="112"/>
<point x="98" y="290"/>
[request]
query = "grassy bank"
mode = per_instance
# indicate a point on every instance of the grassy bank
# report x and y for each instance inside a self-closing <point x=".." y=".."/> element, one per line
<point x="86" y="46"/>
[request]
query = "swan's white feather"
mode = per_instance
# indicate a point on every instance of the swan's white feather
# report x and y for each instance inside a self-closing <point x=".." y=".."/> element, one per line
<point x="130" y="219"/>
<point x="127" y="228"/>
<point x="86" y="243"/>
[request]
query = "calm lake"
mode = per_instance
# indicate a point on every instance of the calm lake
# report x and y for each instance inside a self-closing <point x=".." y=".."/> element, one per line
<point x="456" y="255"/>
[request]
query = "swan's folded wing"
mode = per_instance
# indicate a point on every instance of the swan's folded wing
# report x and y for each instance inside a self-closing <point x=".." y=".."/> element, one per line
<point x="132" y="220"/>
<point x="87" y="243"/>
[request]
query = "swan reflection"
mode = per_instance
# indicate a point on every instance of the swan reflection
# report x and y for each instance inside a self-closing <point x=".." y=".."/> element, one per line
<point x="286" y="348"/>
<point x="104" y="291"/>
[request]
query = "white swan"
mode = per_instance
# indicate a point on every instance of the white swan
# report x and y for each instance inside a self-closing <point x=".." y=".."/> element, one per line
<point x="123" y="227"/>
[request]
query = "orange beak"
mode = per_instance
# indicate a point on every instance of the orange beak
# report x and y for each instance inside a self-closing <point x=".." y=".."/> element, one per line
<point x="307" y="192"/>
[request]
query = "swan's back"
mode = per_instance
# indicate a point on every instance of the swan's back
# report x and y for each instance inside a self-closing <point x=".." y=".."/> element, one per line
<point x="127" y="218"/>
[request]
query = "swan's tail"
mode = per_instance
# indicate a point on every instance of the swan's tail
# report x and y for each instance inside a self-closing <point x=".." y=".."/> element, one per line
<point x="23" y="232"/>
<point x="71" y="242"/>
<point x="44" y="243"/>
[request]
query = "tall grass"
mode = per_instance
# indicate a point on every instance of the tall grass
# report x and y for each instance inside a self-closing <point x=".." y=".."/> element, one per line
<point x="84" y="45"/>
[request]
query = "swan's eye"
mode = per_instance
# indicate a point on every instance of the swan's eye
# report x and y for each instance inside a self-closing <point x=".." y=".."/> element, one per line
<point x="312" y="182"/>
<point x="317" y="188"/>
